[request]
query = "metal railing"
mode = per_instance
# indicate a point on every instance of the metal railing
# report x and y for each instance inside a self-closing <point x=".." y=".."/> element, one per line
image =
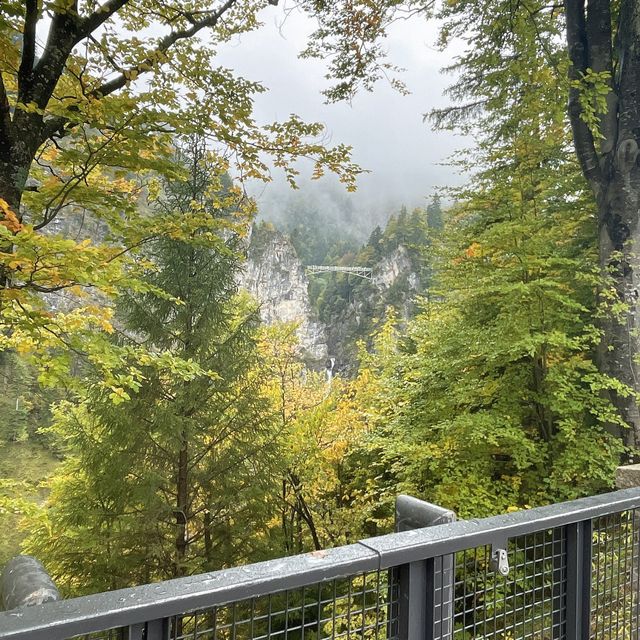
<point x="362" y="272"/>
<point x="568" y="570"/>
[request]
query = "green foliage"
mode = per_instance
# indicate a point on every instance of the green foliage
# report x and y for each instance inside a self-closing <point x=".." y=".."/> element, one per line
<point x="351" y="35"/>
<point x="434" y="214"/>
<point x="24" y="404"/>
<point x="492" y="401"/>
<point x="167" y="465"/>
<point x="593" y="90"/>
<point x="90" y="116"/>
<point x="24" y="470"/>
<point x="196" y="441"/>
<point x="320" y="421"/>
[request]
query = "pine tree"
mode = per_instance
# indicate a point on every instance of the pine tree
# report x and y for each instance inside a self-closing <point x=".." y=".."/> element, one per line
<point x="172" y="479"/>
<point x="434" y="214"/>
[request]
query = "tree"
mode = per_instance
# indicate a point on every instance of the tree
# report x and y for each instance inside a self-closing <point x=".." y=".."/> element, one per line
<point x="490" y="401"/>
<point x="604" y="109"/>
<point x="493" y="401"/>
<point x="296" y="395"/>
<point x="601" y="67"/>
<point x="317" y="423"/>
<point x="597" y="74"/>
<point x="86" y="127"/>
<point x="163" y="474"/>
<point x="434" y="214"/>
<point x="50" y="94"/>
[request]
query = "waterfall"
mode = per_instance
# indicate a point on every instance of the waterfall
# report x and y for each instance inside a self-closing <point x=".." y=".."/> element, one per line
<point x="331" y="362"/>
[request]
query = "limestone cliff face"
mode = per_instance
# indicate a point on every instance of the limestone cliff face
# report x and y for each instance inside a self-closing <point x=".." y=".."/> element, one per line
<point x="391" y="268"/>
<point x="275" y="276"/>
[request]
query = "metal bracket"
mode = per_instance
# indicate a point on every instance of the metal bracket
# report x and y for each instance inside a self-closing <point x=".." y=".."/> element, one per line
<point x="499" y="561"/>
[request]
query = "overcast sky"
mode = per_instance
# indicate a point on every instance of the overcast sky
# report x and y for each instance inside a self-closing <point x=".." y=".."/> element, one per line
<point x="386" y="129"/>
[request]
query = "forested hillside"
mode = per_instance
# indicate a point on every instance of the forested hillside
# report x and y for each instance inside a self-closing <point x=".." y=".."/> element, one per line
<point x="337" y="310"/>
<point x="167" y="398"/>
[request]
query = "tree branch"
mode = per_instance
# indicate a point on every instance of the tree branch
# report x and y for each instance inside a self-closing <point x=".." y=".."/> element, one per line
<point x="52" y="126"/>
<point x="578" y="55"/>
<point x="38" y="85"/>
<point x="165" y="44"/>
<point x="5" y="116"/>
<point x="58" y="124"/>
<point x="99" y="17"/>
<point x="28" y="40"/>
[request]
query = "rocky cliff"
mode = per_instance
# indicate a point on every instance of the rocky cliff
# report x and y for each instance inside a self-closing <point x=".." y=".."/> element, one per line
<point x="395" y="283"/>
<point x="394" y="267"/>
<point x="275" y="276"/>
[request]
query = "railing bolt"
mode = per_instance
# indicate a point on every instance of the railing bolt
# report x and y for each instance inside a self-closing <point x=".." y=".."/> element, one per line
<point x="500" y="561"/>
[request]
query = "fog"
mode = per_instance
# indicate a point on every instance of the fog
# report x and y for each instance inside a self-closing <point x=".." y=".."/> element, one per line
<point x="405" y="158"/>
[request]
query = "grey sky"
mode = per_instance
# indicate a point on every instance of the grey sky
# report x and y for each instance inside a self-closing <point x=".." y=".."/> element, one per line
<point x="385" y="128"/>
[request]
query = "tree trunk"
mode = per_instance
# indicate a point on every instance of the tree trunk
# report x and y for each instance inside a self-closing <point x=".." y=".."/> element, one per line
<point x="181" y="512"/>
<point x="619" y="243"/>
<point x="11" y="182"/>
<point x="15" y="162"/>
<point x="609" y="162"/>
<point x="542" y="415"/>
<point x="208" y="541"/>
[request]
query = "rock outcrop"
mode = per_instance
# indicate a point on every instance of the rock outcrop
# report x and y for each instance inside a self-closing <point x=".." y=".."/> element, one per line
<point x="391" y="268"/>
<point x="275" y="276"/>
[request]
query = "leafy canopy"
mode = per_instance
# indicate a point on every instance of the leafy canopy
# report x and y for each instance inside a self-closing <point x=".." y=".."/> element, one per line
<point x="91" y="95"/>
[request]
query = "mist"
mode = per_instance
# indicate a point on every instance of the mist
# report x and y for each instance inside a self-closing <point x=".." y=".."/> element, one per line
<point x="406" y="160"/>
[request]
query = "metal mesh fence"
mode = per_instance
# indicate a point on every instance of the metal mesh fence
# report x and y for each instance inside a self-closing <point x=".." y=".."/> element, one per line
<point x="361" y="606"/>
<point x="466" y="599"/>
<point x="615" y="578"/>
<point x="529" y="603"/>
<point x="357" y="606"/>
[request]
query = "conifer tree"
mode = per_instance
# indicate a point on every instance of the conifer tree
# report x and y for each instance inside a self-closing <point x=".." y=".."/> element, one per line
<point x="434" y="214"/>
<point x="169" y="480"/>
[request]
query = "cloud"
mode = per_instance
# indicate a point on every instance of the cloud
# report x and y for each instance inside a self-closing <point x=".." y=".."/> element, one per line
<point x="386" y="129"/>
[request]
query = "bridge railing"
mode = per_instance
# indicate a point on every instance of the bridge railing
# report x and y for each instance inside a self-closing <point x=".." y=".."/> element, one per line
<point x="568" y="570"/>
<point x="362" y="272"/>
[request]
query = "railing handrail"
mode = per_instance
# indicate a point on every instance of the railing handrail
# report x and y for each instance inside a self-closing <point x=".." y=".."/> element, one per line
<point x="135" y="605"/>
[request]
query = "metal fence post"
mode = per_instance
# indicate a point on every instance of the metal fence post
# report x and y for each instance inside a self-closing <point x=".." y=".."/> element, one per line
<point x="558" y="542"/>
<point x="157" y="629"/>
<point x="578" y="588"/>
<point x="627" y="477"/>
<point x="413" y="600"/>
<point x="134" y="631"/>
<point x="425" y="588"/>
